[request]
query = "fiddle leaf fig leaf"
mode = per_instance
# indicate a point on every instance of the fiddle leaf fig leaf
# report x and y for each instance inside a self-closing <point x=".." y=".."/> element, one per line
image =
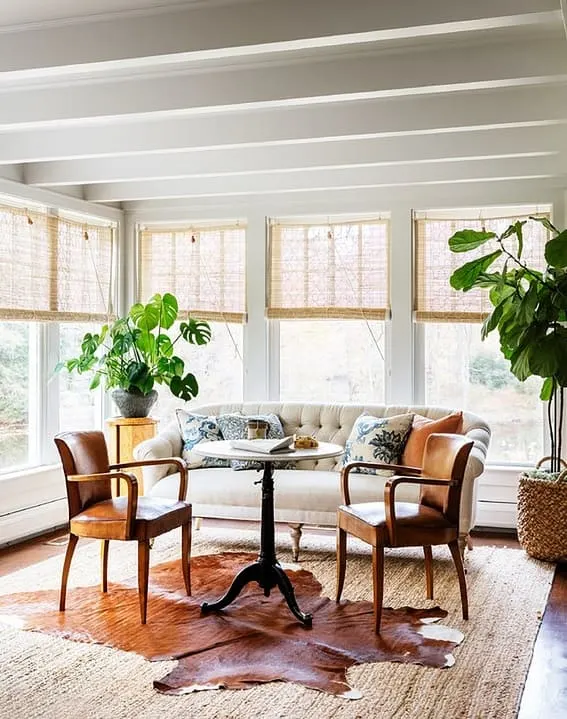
<point x="556" y="250"/>
<point x="465" y="240"/>
<point x="547" y="355"/>
<point x="547" y="389"/>
<point x="520" y="363"/>
<point x="546" y="223"/>
<point x="465" y="277"/>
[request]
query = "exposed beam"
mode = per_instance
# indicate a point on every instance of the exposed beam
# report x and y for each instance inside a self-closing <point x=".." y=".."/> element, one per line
<point x="347" y="78"/>
<point x="295" y="23"/>
<point x="428" y="173"/>
<point x="375" y="151"/>
<point x="423" y="197"/>
<point x="71" y="198"/>
<point x="507" y="107"/>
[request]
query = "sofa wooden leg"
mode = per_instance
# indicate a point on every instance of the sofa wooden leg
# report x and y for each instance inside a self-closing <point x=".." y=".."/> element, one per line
<point x="295" y="532"/>
<point x="470" y="545"/>
<point x="198" y="521"/>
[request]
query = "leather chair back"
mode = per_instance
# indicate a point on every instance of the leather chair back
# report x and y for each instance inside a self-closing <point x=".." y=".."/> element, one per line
<point x="84" y="453"/>
<point x="445" y="457"/>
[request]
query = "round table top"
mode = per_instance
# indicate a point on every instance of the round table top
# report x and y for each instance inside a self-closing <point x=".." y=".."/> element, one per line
<point x="221" y="449"/>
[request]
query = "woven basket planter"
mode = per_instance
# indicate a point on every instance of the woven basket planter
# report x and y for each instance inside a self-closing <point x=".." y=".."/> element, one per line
<point x="542" y="515"/>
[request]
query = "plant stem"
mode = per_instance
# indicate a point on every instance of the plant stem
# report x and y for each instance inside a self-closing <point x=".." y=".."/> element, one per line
<point x="551" y="426"/>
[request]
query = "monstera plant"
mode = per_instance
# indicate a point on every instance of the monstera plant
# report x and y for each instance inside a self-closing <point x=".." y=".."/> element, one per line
<point x="135" y="352"/>
<point x="529" y="308"/>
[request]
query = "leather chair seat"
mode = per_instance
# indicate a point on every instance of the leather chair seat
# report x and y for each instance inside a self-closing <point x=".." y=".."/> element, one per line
<point x="154" y="516"/>
<point x="408" y="515"/>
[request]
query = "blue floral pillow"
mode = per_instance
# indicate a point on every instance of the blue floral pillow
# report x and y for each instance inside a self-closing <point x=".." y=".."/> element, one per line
<point x="235" y="426"/>
<point x="377" y="439"/>
<point x="196" y="428"/>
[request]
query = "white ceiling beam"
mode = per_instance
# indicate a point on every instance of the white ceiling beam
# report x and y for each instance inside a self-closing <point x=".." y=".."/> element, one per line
<point x="226" y="29"/>
<point x="374" y="151"/>
<point x="428" y="173"/>
<point x="366" y="200"/>
<point x="397" y="116"/>
<point x="403" y="73"/>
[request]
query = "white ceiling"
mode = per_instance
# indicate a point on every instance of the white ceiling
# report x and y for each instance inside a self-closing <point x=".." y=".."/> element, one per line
<point x="204" y="105"/>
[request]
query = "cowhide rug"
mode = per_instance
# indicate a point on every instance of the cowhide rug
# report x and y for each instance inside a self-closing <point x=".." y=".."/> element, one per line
<point x="254" y="640"/>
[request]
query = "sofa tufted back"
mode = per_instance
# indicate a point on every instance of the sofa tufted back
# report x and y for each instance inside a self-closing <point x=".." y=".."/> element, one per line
<point x="333" y="423"/>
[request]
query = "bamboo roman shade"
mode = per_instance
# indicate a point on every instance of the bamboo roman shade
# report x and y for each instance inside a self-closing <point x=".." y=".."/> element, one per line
<point x="52" y="268"/>
<point x="202" y="266"/>
<point x="435" y="299"/>
<point x="335" y="271"/>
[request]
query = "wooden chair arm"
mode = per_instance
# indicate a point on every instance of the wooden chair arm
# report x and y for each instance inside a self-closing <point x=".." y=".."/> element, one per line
<point x="370" y="465"/>
<point x="177" y="461"/>
<point x="132" y="487"/>
<point x="390" y="497"/>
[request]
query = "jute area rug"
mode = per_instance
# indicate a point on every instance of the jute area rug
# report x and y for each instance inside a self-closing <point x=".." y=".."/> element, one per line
<point x="44" y="676"/>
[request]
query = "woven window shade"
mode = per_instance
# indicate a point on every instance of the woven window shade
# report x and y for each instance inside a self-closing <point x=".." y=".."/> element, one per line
<point x="53" y="269"/>
<point x="435" y="299"/>
<point x="203" y="267"/>
<point x="329" y="271"/>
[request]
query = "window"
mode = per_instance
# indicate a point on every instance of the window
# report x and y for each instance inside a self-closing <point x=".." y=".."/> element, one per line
<point x="57" y="275"/>
<point x="79" y="407"/>
<point x="203" y="266"/>
<point x="328" y="287"/>
<point x="460" y="370"/>
<point x="14" y="394"/>
<point x="317" y="361"/>
<point x="217" y="366"/>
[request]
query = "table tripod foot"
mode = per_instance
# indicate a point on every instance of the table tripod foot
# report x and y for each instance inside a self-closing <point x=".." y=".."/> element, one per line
<point x="286" y="588"/>
<point x="248" y="574"/>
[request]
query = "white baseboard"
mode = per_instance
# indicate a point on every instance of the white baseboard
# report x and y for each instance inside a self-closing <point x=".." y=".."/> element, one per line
<point x="501" y="515"/>
<point x="34" y="520"/>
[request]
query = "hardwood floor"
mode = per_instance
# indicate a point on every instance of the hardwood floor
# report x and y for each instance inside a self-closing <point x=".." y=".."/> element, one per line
<point x="545" y="691"/>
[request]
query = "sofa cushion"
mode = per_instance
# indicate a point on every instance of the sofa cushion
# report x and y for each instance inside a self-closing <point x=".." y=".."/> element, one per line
<point x="197" y="428"/>
<point x="235" y="426"/>
<point x="377" y="439"/>
<point x="421" y="428"/>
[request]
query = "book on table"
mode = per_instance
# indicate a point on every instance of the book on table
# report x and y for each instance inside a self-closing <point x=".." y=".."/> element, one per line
<point x="264" y="446"/>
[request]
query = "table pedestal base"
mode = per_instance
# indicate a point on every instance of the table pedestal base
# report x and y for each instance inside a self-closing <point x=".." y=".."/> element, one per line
<point x="267" y="570"/>
<point x="268" y="576"/>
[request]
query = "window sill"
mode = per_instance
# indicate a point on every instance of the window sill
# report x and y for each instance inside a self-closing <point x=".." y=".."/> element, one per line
<point x="26" y="472"/>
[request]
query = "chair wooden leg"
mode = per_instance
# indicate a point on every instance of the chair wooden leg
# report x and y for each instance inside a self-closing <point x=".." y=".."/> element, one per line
<point x="428" y="571"/>
<point x="378" y="582"/>
<point x="73" y="539"/>
<point x="458" y="560"/>
<point x="143" y="575"/>
<point x="341" y="561"/>
<point x="186" y="556"/>
<point x="295" y="533"/>
<point x="104" y="564"/>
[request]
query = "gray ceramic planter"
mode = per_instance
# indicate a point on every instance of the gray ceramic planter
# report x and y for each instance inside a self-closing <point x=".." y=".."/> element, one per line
<point x="134" y="404"/>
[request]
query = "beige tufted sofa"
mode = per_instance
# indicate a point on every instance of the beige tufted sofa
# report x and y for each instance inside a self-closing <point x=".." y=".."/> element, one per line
<point x="310" y="494"/>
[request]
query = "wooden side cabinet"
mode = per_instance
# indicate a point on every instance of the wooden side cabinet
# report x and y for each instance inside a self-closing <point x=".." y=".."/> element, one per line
<point x="124" y="433"/>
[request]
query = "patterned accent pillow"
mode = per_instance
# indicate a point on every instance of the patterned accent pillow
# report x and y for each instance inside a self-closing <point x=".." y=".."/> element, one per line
<point x="196" y="428"/>
<point x="377" y="439"/>
<point x="235" y="426"/>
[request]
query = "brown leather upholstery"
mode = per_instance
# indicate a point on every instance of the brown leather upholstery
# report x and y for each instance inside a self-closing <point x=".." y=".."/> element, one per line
<point x="435" y="520"/>
<point x="93" y="512"/>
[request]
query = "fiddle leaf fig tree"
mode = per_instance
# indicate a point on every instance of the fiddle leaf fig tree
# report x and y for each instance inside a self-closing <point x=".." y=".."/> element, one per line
<point x="529" y="308"/>
<point x="136" y="351"/>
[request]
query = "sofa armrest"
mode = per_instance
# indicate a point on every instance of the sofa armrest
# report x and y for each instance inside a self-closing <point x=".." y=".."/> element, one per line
<point x="166" y="444"/>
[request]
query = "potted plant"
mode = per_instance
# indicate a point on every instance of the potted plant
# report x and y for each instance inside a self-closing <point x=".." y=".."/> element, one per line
<point x="134" y="352"/>
<point x="530" y="315"/>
